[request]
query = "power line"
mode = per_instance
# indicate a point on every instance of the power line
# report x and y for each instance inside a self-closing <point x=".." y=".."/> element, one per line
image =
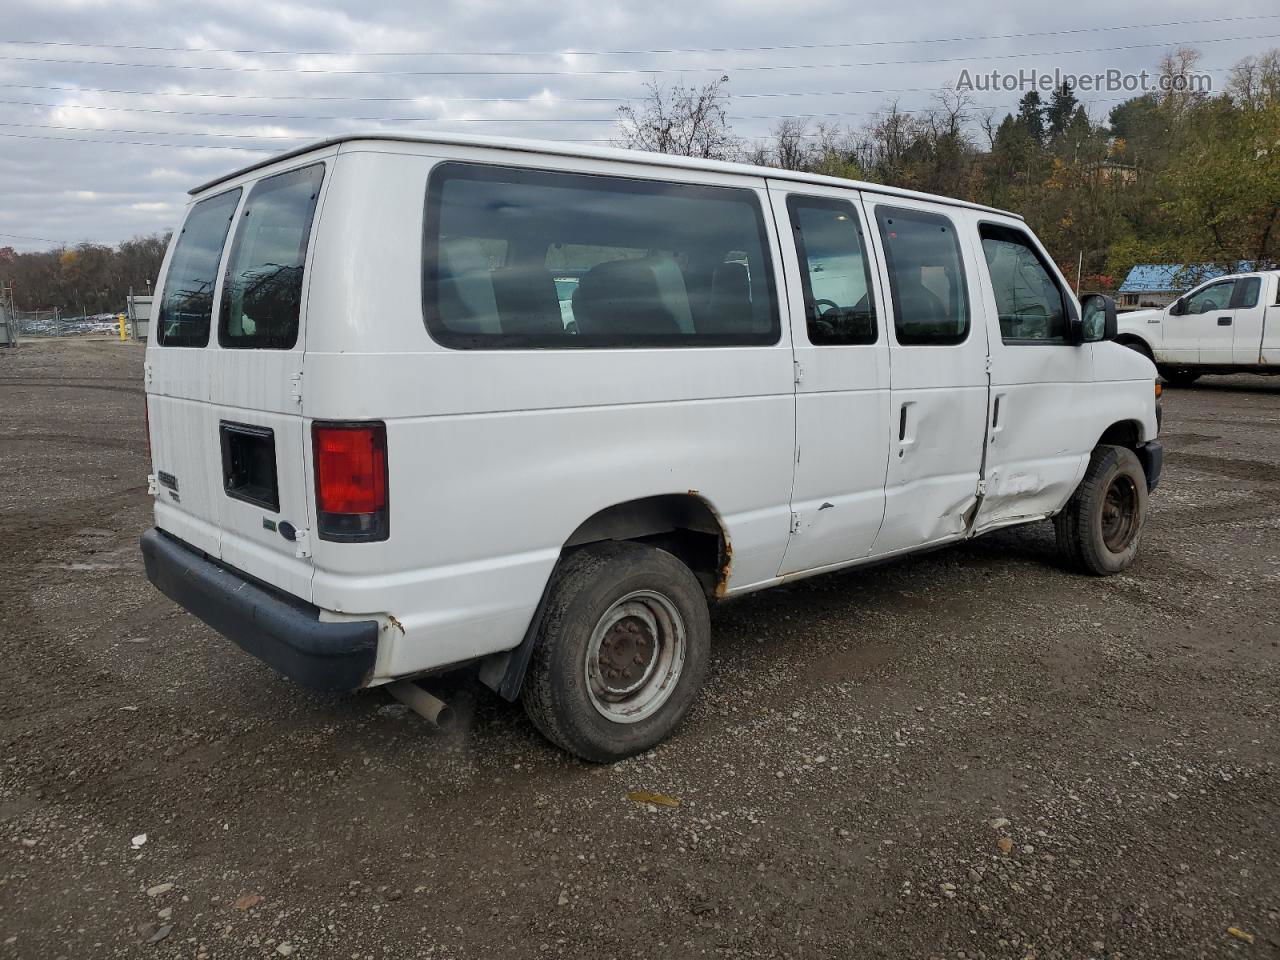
<point x="222" y="146"/>
<point x="300" y="116"/>
<point x="624" y="71"/>
<point x="19" y="236"/>
<point x="158" y="133"/>
<point x="312" y="97"/>
<point x="527" y="99"/>
<point x="134" y="143"/>
<point x="658" y="51"/>
<point x="503" y="120"/>
<point x="114" y="131"/>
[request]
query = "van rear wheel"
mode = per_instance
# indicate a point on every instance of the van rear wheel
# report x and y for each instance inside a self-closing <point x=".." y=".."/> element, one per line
<point x="620" y="653"/>
<point x="1099" y="529"/>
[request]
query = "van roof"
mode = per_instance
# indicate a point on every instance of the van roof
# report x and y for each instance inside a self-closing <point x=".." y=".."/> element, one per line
<point x="561" y="149"/>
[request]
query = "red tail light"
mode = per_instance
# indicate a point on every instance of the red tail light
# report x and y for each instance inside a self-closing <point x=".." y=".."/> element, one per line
<point x="351" y="481"/>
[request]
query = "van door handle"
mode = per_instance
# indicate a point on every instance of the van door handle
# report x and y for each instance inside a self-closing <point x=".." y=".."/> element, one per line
<point x="997" y="424"/>
<point x="906" y="437"/>
<point x="1224" y="321"/>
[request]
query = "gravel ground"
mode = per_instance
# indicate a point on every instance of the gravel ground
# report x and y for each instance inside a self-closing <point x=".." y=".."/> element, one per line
<point x="970" y="754"/>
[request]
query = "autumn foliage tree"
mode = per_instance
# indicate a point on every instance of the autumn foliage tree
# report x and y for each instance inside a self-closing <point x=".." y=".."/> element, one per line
<point x="1180" y="175"/>
<point x="87" y="278"/>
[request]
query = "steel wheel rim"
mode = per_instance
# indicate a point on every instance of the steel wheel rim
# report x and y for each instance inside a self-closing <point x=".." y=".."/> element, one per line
<point x="635" y="657"/>
<point x="1120" y="514"/>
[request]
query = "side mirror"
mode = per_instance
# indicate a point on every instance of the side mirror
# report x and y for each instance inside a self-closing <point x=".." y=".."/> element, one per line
<point x="1176" y="308"/>
<point x="1099" y="318"/>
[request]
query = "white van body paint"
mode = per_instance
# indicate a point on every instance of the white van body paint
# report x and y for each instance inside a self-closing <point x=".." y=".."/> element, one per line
<point x="496" y="456"/>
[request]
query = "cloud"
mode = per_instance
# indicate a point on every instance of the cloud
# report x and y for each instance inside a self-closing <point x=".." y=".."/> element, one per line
<point x="102" y="142"/>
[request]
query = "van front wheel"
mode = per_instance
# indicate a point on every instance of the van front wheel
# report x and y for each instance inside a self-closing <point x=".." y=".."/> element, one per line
<point x="1099" y="529"/>
<point x="620" y="653"/>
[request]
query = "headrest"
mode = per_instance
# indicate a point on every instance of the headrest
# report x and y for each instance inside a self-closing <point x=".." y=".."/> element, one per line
<point x="527" y="301"/>
<point x="624" y="297"/>
<point x="731" y="281"/>
<point x="466" y="292"/>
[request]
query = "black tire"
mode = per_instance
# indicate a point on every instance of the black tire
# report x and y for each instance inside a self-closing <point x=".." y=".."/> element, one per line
<point x="1179" y="378"/>
<point x="1101" y="526"/>
<point x="590" y="584"/>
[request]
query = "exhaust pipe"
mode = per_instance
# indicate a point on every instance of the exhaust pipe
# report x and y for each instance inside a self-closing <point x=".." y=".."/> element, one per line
<point x="425" y="705"/>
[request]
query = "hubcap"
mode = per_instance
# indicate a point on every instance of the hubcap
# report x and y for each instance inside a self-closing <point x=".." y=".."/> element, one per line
<point x="1120" y="514"/>
<point x="635" y="656"/>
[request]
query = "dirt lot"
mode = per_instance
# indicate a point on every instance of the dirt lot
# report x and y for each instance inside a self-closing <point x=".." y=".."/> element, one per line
<point x="972" y="754"/>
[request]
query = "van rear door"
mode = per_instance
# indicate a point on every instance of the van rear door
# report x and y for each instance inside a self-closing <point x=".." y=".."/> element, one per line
<point x="179" y="378"/>
<point x="259" y="440"/>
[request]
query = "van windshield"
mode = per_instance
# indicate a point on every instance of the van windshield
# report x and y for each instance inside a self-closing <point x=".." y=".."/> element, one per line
<point x="187" y="306"/>
<point x="262" y="293"/>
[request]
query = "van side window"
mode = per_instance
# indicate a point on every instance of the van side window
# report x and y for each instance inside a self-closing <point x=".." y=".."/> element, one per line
<point x="262" y="291"/>
<point x="547" y="259"/>
<point x="1031" y="305"/>
<point x="839" y="307"/>
<point x="187" y="307"/>
<point x="926" y="277"/>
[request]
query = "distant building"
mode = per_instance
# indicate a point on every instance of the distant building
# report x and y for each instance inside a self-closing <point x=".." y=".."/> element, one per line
<point x="1159" y="284"/>
<point x="1112" y="171"/>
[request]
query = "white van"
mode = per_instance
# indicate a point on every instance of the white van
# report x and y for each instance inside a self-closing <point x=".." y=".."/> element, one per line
<point x="423" y="402"/>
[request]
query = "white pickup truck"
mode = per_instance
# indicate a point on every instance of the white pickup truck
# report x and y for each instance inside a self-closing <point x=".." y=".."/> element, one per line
<point x="1226" y="325"/>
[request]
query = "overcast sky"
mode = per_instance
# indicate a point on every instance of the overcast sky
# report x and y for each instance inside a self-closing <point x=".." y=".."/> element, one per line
<point x="110" y="111"/>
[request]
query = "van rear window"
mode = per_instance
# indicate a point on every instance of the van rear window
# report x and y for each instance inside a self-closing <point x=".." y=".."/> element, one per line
<point x="544" y="259"/>
<point x="187" y="306"/>
<point x="262" y="292"/>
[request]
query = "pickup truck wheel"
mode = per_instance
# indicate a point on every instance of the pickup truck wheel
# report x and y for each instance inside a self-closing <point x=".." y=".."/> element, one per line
<point x="1099" y="529"/>
<point x="620" y="653"/>
<point x="1179" y="378"/>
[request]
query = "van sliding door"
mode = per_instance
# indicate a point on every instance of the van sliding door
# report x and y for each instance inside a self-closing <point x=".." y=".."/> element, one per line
<point x="842" y="389"/>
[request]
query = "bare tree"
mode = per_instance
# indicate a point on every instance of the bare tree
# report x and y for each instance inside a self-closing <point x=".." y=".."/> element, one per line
<point x="758" y="154"/>
<point x="790" y="152"/>
<point x="1255" y="81"/>
<point x="987" y="120"/>
<point x="687" y="121"/>
<point x="885" y="142"/>
<point x="949" y="114"/>
<point x="1180" y="91"/>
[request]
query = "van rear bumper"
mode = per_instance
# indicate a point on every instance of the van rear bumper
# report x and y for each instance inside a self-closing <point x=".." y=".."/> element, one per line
<point x="285" y="633"/>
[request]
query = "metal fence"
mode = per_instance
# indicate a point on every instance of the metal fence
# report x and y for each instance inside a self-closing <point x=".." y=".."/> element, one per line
<point x="51" y="323"/>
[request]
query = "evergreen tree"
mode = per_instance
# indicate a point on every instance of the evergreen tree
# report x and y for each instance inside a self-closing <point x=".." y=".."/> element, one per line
<point x="1062" y="105"/>
<point x="1031" y="116"/>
